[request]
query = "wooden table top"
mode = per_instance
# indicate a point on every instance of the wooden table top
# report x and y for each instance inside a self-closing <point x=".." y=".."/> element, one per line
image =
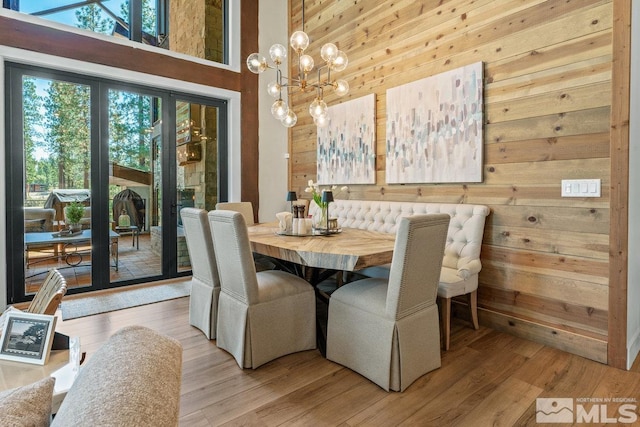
<point x="350" y="250"/>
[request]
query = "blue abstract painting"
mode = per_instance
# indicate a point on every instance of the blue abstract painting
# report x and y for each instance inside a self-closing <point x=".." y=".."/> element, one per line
<point x="346" y="145"/>
<point x="434" y="128"/>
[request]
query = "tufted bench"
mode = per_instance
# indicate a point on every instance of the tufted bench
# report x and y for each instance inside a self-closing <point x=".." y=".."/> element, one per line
<point x="461" y="262"/>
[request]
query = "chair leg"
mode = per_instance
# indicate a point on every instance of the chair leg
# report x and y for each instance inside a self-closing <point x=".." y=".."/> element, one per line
<point x="473" y="307"/>
<point x="445" y="321"/>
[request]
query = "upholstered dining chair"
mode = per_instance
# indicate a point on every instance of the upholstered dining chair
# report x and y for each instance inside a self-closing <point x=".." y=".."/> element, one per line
<point x="263" y="262"/>
<point x="205" y="283"/>
<point x="261" y="315"/>
<point x="48" y="298"/>
<point x="388" y="330"/>
<point x="245" y="208"/>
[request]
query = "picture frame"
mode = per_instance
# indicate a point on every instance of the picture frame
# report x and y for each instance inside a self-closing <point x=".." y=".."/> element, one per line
<point x="27" y="337"/>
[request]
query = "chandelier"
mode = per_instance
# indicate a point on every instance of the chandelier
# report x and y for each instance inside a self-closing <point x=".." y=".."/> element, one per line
<point x="334" y="60"/>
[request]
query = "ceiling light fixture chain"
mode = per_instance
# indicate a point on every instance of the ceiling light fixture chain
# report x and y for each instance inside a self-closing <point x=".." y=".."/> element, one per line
<point x="335" y="60"/>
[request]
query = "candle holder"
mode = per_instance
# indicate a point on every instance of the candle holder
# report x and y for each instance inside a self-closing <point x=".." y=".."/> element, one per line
<point x="327" y="197"/>
<point x="292" y="197"/>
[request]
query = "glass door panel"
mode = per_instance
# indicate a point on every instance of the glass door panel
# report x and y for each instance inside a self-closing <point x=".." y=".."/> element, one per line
<point x="197" y="165"/>
<point x="57" y="181"/>
<point x="129" y="176"/>
<point x="134" y="166"/>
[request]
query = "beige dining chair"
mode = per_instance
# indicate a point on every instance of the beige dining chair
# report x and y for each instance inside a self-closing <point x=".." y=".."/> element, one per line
<point x="49" y="296"/>
<point x="245" y="208"/>
<point x="387" y="329"/>
<point x="261" y="315"/>
<point x="263" y="262"/>
<point x="205" y="283"/>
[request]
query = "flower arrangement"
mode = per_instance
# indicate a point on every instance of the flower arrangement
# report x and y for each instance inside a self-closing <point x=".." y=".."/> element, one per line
<point x="316" y="192"/>
<point x="322" y="222"/>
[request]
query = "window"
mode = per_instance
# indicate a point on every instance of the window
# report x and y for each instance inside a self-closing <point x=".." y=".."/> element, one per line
<point x="161" y="23"/>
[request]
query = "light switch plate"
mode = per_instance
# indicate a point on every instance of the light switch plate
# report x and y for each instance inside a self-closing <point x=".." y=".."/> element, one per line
<point x="580" y="188"/>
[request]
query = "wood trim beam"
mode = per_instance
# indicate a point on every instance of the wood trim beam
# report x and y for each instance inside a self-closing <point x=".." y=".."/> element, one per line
<point x="619" y="198"/>
<point x="250" y="122"/>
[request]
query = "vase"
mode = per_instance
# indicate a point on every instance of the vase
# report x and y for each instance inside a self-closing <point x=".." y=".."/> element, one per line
<point x="75" y="227"/>
<point x="321" y="219"/>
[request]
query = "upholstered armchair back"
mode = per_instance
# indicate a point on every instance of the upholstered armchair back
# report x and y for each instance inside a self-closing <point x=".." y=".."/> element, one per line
<point x="464" y="236"/>
<point x="38" y="219"/>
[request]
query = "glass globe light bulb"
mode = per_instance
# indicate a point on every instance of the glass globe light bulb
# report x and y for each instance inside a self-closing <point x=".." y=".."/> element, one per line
<point x="341" y="87"/>
<point x="290" y="119"/>
<point x="321" y="121"/>
<point x="278" y="53"/>
<point x="341" y="61"/>
<point x="279" y="109"/>
<point x="299" y="41"/>
<point x="273" y="89"/>
<point x="256" y="63"/>
<point x="306" y="62"/>
<point x="318" y="108"/>
<point x="329" y="52"/>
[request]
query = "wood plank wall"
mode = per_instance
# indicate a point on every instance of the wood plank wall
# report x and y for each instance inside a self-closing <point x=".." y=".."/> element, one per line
<point x="548" y="66"/>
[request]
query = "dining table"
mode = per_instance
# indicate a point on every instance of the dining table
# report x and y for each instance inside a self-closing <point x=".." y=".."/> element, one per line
<point x="318" y="256"/>
<point x="346" y="249"/>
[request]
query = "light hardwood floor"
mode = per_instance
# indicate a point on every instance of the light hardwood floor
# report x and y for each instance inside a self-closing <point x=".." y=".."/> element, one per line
<point x="487" y="378"/>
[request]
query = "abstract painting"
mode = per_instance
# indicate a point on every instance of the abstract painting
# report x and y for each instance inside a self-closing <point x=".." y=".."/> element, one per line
<point x="434" y="128"/>
<point x="346" y="145"/>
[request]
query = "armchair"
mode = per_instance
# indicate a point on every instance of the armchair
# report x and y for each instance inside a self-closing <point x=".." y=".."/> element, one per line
<point x="49" y="296"/>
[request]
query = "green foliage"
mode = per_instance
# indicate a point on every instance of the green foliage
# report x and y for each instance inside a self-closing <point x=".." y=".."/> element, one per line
<point x="130" y="119"/>
<point x="30" y="107"/>
<point x="90" y="18"/>
<point x="148" y="15"/>
<point x="74" y="212"/>
<point x="65" y="120"/>
<point x="68" y="126"/>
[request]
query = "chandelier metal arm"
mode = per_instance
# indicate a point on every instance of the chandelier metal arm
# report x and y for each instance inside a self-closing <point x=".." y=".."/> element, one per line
<point x="334" y="60"/>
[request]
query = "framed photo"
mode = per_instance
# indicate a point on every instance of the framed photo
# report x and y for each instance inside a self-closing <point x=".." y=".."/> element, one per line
<point x="27" y="337"/>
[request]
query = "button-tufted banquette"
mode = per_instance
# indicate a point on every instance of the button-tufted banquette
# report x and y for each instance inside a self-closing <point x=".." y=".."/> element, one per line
<point x="461" y="262"/>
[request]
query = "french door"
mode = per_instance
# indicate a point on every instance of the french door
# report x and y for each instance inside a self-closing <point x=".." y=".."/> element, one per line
<point x="117" y="151"/>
